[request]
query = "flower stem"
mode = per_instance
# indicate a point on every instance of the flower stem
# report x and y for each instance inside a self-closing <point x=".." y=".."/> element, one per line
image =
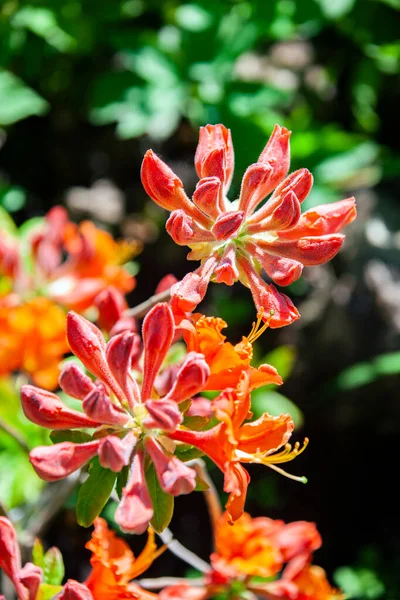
<point x="211" y="495"/>
<point x="142" y="309"/>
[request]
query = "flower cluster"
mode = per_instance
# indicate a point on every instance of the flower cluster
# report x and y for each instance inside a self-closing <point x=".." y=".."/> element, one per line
<point x="39" y="284"/>
<point x="253" y="550"/>
<point x="236" y="240"/>
<point x="137" y="410"/>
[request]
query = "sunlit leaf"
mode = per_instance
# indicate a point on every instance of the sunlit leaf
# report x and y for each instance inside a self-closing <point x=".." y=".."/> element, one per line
<point x="94" y="493"/>
<point x="17" y="100"/>
<point x="163" y="504"/>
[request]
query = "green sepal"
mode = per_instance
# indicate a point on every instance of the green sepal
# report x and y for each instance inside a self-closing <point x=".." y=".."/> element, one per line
<point x="94" y="493"/>
<point x="201" y="485"/>
<point x="122" y="478"/>
<point x="186" y="452"/>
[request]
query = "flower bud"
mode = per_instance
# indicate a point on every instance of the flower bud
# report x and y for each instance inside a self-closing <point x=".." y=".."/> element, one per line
<point x="111" y="305"/>
<point x="115" y="453"/>
<point x="161" y="183"/>
<point x="135" y="509"/>
<point x="74" y="382"/>
<point x="208" y="196"/>
<point x="99" y="406"/>
<point x="191" y="377"/>
<point x="73" y="590"/>
<point x="163" y="414"/>
<point x="174" y="476"/>
<point x="46" y="409"/>
<point x="211" y="138"/>
<point x="228" y="225"/>
<point x="52" y="463"/>
<point x="30" y="577"/>
<point x="158" y="333"/>
<point x="123" y="351"/>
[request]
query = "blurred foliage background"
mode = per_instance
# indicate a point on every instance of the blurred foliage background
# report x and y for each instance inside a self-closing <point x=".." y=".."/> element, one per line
<point x="86" y="87"/>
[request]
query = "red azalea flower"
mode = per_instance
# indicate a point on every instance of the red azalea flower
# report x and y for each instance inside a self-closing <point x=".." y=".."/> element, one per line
<point x="236" y="240"/>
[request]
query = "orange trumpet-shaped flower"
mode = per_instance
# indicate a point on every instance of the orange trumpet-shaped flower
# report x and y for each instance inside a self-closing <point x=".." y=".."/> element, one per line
<point x="236" y="240"/>
<point x="233" y="442"/>
<point x="32" y="339"/>
<point x="228" y="361"/>
<point x="114" y="565"/>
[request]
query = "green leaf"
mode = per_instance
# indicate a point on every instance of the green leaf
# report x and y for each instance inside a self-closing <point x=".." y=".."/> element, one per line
<point x="274" y="404"/>
<point x="193" y="17"/>
<point x="18" y="101"/>
<point x="185" y="452"/>
<point x="94" y="493"/>
<point x="53" y="567"/>
<point x="335" y="9"/>
<point x="6" y="221"/>
<point x="66" y="435"/>
<point x="48" y="592"/>
<point x="359" y="583"/>
<point x="122" y="478"/>
<point x="163" y="504"/>
<point x="195" y="423"/>
<point x="283" y="359"/>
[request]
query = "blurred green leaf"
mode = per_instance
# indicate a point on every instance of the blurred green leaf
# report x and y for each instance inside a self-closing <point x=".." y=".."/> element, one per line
<point x="94" y="493"/>
<point x="282" y="358"/>
<point x="42" y="21"/>
<point x="163" y="504"/>
<point x="364" y="373"/>
<point x="48" y="592"/>
<point x="335" y="9"/>
<point x="193" y="17"/>
<point x="6" y="223"/>
<point x="18" y="101"/>
<point x="53" y="568"/>
<point x="275" y="404"/>
<point x="77" y="437"/>
<point x="359" y="583"/>
<point x="38" y="553"/>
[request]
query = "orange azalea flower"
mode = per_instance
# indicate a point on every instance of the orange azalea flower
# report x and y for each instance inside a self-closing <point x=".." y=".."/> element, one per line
<point x="233" y="442"/>
<point x="247" y="547"/>
<point x="32" y="339"/>
<point x="94" y="263"/>
<point x="228" y="361"/>
<point x="312" y="584"/>
<point x="114" y="565"/>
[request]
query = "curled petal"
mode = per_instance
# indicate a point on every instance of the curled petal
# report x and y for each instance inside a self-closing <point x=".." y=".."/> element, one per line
<point x="322" y="220"/>
<point x="309" y="251"/>
<point x="227" y="225"/>
<point x="185" y="231"/>
<point x="73" y="590"/>
<point x="174" y="476"/>
<point x="46" y="409"/>
<point x="267" y="434"/>
<point x="123" y="351"/>
<point x="191" y="377"/>
<point x="163" y="414"/>
<point x="235" y="484"/>
<point x="278" y="309"/>
<point x="208" y="196"/>
<point x="158" y="333"/>
<point x="74" y="382"/>
<point x="115" y="453"/>
<point x="284" y="213"/>
<point x="52" y="463"/>
<point x="297" y="538"/>
<point x="227" y="271"/>
<point x="188" y="293"/>
<point x="30" y="577"/>
<point x="111" y="305"/>
<point x="87" y="343"/>
<point x="135" y="509"/>
<point x="256" y="185"/>
<point x="282" y="271"/>
<point x="211" y="138"/>
<point x="99" y="406"/>
<point x="165" y="283"/>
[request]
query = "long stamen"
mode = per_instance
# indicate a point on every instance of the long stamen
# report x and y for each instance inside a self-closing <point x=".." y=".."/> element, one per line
<point x="300" y="479"/>
<point x="287" y="454"/>
<point x="256" y="330"/>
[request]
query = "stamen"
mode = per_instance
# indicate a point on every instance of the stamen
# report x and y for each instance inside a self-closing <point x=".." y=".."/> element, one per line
<point x="257" y="330"/>
<point x="300" y="479"/>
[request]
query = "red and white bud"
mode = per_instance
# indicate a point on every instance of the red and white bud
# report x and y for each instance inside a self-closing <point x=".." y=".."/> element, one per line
<point x="227" y="271"/>
<point x="30" y="577"/>
<point x="208" y="196"/>
<point x="87" y="343"/>
<point x="174" y="476"/>
<point x="227" y="225"/>
<point x="185" y="231"/>
<point x="52" y="463"/>
<point x="163" y="414"/>
<point x="46" y="409"/>
<point x="211" y="138"/>
<point x="188" y="293"/>
<point x="158" y="332"/>
<point x="74" y="382"/>
<point x="135" y="509"/>
<point x="115" y="453"/>
<point x="111" y="305"/>
<point x="191" y="378"/>
<point x="123" y="352"/>
<point x="277" y="308"/>
<point x="73" y="590"/>
<point x="97" y="405"/>
<point x="277" y="153"/>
